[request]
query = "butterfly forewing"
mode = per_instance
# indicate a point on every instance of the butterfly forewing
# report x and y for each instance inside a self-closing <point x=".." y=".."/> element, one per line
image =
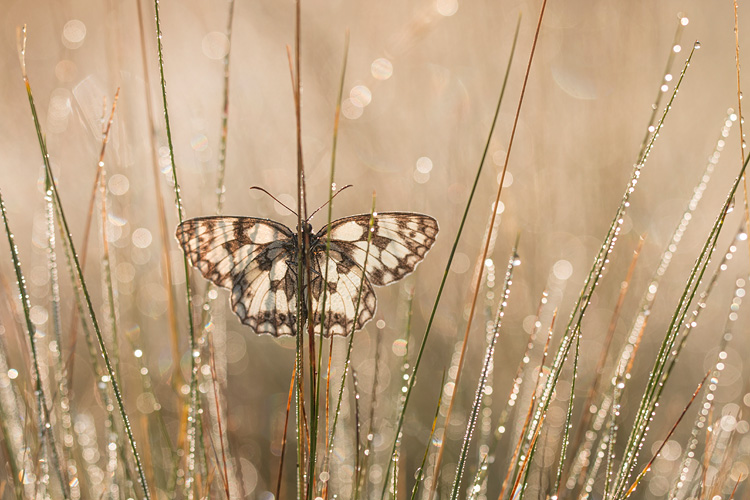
<point x="251" y="257"/>
<point x="399" y="242"/>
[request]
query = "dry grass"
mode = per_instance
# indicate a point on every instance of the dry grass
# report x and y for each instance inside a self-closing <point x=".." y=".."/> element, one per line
<point x="419" y="92"/>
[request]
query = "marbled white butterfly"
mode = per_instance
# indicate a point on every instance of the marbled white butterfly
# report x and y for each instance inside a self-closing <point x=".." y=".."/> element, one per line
<point x="257" y="260"/>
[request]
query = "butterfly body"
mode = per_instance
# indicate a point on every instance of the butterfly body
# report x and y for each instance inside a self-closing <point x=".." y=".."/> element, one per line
<point x="258" y="261"/>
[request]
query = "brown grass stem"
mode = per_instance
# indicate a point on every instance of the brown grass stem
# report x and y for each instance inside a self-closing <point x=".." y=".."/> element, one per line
<point x="283" y="435"/>
<point x="526" y="458"/>
<point x="480" y="270"/>
<point x="739" y="115"/>
<point x="161" y="213"/>
<point x="529" y="412"/>
<point x="669" y="434"/>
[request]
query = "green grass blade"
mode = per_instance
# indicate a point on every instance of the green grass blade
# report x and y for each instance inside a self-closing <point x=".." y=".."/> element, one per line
<point x="597" y="268"/>
<point x="90" y="307"/>
<point x="488" y="357"/>
<point x="459" y="233"/>
<point x="568" y="417"/>
<point x="420" y="471"/>
<point x="194" y="415"/>
<point x="347" y="360"/>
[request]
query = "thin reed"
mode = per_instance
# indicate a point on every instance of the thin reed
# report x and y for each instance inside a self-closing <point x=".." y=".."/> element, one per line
<point x="600" y="195"/>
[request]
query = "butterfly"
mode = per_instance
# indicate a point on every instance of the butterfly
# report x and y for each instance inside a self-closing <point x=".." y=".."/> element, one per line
<point x="257" y="260"/>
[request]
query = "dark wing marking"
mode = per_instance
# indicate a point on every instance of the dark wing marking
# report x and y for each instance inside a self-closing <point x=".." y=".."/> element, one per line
<point x="400" y="240"/>
<point x="250" y="257"/>
<point x="344" y="280"/>
<point x="264" y="296"/>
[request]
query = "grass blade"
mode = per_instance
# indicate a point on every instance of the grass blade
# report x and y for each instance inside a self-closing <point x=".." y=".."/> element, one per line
<point x="459" y="232"/>
<point x="420" y="471"/>
<point x="480" y="261"/>
<point x="489" y="355"/>
<point x="194" y="414"/>
<point x="110" y="371"/>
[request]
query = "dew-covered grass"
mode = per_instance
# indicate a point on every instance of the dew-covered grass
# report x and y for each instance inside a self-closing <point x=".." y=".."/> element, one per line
<point x="576" y="332"/>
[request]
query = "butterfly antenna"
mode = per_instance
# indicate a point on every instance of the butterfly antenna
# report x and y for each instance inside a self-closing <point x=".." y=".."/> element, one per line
<point x="329" y="201"/>
<point x="274" y="198"/>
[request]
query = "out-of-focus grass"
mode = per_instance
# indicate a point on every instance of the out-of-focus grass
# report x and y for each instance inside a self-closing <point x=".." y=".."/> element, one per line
<point x="418" y="92"/>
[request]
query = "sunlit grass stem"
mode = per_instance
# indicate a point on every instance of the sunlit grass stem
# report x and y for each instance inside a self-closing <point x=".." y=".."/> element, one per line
<point x="655" y="383"/>
<point x="488" y="357"/>
<point x="331" y="188"/>
<point x="194" y="414"/>
<point x="482" y="259"/>
<point x="459" y="232"/>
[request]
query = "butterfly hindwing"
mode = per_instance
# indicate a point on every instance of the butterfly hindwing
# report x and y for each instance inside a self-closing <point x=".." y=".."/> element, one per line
<point x="250" y="257"/>
<point x="344" y="281"/>
<point x="264" y="296"/>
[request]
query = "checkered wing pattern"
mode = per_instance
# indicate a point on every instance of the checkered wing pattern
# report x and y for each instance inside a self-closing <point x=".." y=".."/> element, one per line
<point x="398" y="242"/>
<point x="255" y="259"/>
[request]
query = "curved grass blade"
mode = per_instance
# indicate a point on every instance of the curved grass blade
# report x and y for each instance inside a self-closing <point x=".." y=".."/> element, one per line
<point x="568" y="417"/>
<point x="655" y="383"/>
<point x="596" y="272"/>
<point x="110" y="371"/>
<point x="671" y="431"/>
<point x="480" y="268"/>
<point x="459" y="232"/>
<point x="194" y="415"/>
<point x="347" y="360"/>
<point x="630" y="347"/>
<point x="420" y="471"/>
<point x="489" y="355"/>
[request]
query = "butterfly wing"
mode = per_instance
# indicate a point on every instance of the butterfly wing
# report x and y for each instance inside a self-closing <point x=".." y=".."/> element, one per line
<point x="253" y="258"/>
<point x="344" y="280"/>
<point x="399" y="241"/>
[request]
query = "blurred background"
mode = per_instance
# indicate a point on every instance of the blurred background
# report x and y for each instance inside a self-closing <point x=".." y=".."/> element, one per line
<point x="420" y="90"/>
